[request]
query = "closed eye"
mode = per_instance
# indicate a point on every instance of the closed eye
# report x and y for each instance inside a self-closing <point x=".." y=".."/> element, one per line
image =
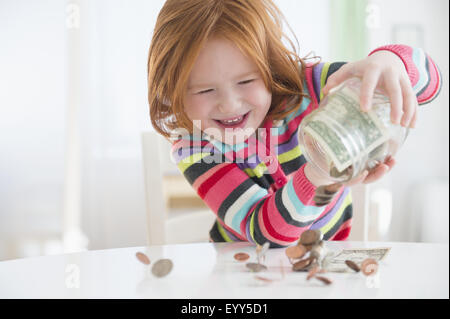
<point x="205" y="91"/>
<point x="246" y="82"/>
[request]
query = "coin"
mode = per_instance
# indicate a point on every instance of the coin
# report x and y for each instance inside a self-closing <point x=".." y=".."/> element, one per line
<point x="308" y="247"/>
<point x="264" y="279"/>
<point x="369" y="266"/>
<point x="162" y="267"/>
<point x="261" y="251"/>
<point x="316" y="250"/>
<point x="143" y="258"/>
<point x="352" y="265"/>
<point x="255" y="267"/>
<point x="310" y="236"/>
<point x="312" y="272"/>
<point x="241" y="256"/>
<point x="301" y="265"/>
<point x="325" y="280"/>
<point x="296" y="252"/>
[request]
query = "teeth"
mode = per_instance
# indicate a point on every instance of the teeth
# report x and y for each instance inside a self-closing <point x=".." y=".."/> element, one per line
<point x="234" y="121"/>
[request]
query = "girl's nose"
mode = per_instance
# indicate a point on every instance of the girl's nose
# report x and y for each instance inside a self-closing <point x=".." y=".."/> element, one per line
<point x="229" y="104"/>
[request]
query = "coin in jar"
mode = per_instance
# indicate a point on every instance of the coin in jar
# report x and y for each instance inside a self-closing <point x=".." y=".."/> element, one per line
<point x="310" y="237"/>
<point x="143" y="258"/>
<point x="369" y="266"/>
<point x="255" y="267"/>
<point x="352" y="265"/>
<point x="295" y="252"/>
<point x="162" y="267"/>
<point x="241" y="256"/>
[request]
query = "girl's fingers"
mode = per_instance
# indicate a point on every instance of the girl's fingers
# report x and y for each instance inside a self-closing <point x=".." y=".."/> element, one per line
<point x="358" y="179"/>
<point x="394" y="92"/>
<point x="414" y="119"/>
<point x="337" y="78"/>
<point x="376" y="173"/>
<point x="409" y="102"/>
<point x="369" y="83"/>
<point x="390" y="162"/>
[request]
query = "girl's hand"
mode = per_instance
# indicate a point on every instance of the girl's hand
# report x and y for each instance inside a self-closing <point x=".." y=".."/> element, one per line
<point x="383" y="70"/>
<point x="367" y="177"/>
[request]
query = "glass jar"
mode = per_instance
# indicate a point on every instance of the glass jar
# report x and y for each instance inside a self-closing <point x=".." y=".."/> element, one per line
<point x="342" y="141"/>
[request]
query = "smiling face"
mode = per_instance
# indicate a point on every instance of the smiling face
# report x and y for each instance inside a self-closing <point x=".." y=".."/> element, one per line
<point x="226" y="92"/>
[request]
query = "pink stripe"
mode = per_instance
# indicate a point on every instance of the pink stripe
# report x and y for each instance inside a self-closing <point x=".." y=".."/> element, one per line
<point x="265" y="233"/>
<point x="404" y="52"/>
<point x="202" y="178"/>
<point x="279" y="224"/>
<point x="304" y="189"/>
<point x="221" y="190"/>
<point x="309" y="82"/>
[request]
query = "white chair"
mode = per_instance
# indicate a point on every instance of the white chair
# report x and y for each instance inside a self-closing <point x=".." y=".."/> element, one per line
<point x="164" y="182"/>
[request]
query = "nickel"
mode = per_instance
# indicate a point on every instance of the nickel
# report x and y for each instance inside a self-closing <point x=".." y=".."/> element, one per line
<point x="162" y="267"/>
<point x="255" y="267"/>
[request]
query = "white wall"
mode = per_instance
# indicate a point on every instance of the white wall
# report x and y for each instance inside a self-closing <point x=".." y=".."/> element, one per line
<point x="424" y="158"/>
<point x="32" y="113"/>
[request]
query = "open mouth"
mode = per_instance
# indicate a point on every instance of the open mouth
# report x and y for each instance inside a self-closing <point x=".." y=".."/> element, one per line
<point x="236" y="122"/>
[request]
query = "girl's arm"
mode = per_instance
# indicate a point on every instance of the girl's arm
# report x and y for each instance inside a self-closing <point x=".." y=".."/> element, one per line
<point x="248" y="212"/>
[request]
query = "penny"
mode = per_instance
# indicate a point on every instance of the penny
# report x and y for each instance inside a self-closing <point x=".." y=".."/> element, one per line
<point x="325" y="280"/>
<point x="241" y="256"/>
<point x="314" y="270"/>
<point x="369" y="266"/>
<point x="255" y="267"/>
<point x="143" y="258"/>
<point x="301" y="265"/>
<point x="162" y="267"/>
<point x="264" y="279"/>
<point x="310" y="236"/>
<point x="352" y="265"/>
<point x="296" y="252"/>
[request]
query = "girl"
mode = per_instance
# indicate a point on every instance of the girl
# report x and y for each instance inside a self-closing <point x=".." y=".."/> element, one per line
<point x="231" y="96"/>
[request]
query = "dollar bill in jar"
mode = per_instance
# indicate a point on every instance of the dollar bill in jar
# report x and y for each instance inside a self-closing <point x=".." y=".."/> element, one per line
<point x="341" y="140"/>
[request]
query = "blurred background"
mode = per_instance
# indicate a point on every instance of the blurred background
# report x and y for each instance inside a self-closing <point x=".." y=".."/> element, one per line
<point x="73" y="110"/>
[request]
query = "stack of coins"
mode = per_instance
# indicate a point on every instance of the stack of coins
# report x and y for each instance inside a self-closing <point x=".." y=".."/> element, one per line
<point x="310" y="241"/>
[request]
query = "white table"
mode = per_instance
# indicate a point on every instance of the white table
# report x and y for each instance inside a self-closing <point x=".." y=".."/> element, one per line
<point x="410" y="270"/>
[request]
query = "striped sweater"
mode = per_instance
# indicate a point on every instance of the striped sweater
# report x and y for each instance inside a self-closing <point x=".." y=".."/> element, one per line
<point x="258" y="189"/>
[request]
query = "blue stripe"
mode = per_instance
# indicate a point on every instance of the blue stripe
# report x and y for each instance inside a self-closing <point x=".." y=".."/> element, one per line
<point x="303" y="210"/>
<point x="419" y="57"/>
<point x="240" y="215"/>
